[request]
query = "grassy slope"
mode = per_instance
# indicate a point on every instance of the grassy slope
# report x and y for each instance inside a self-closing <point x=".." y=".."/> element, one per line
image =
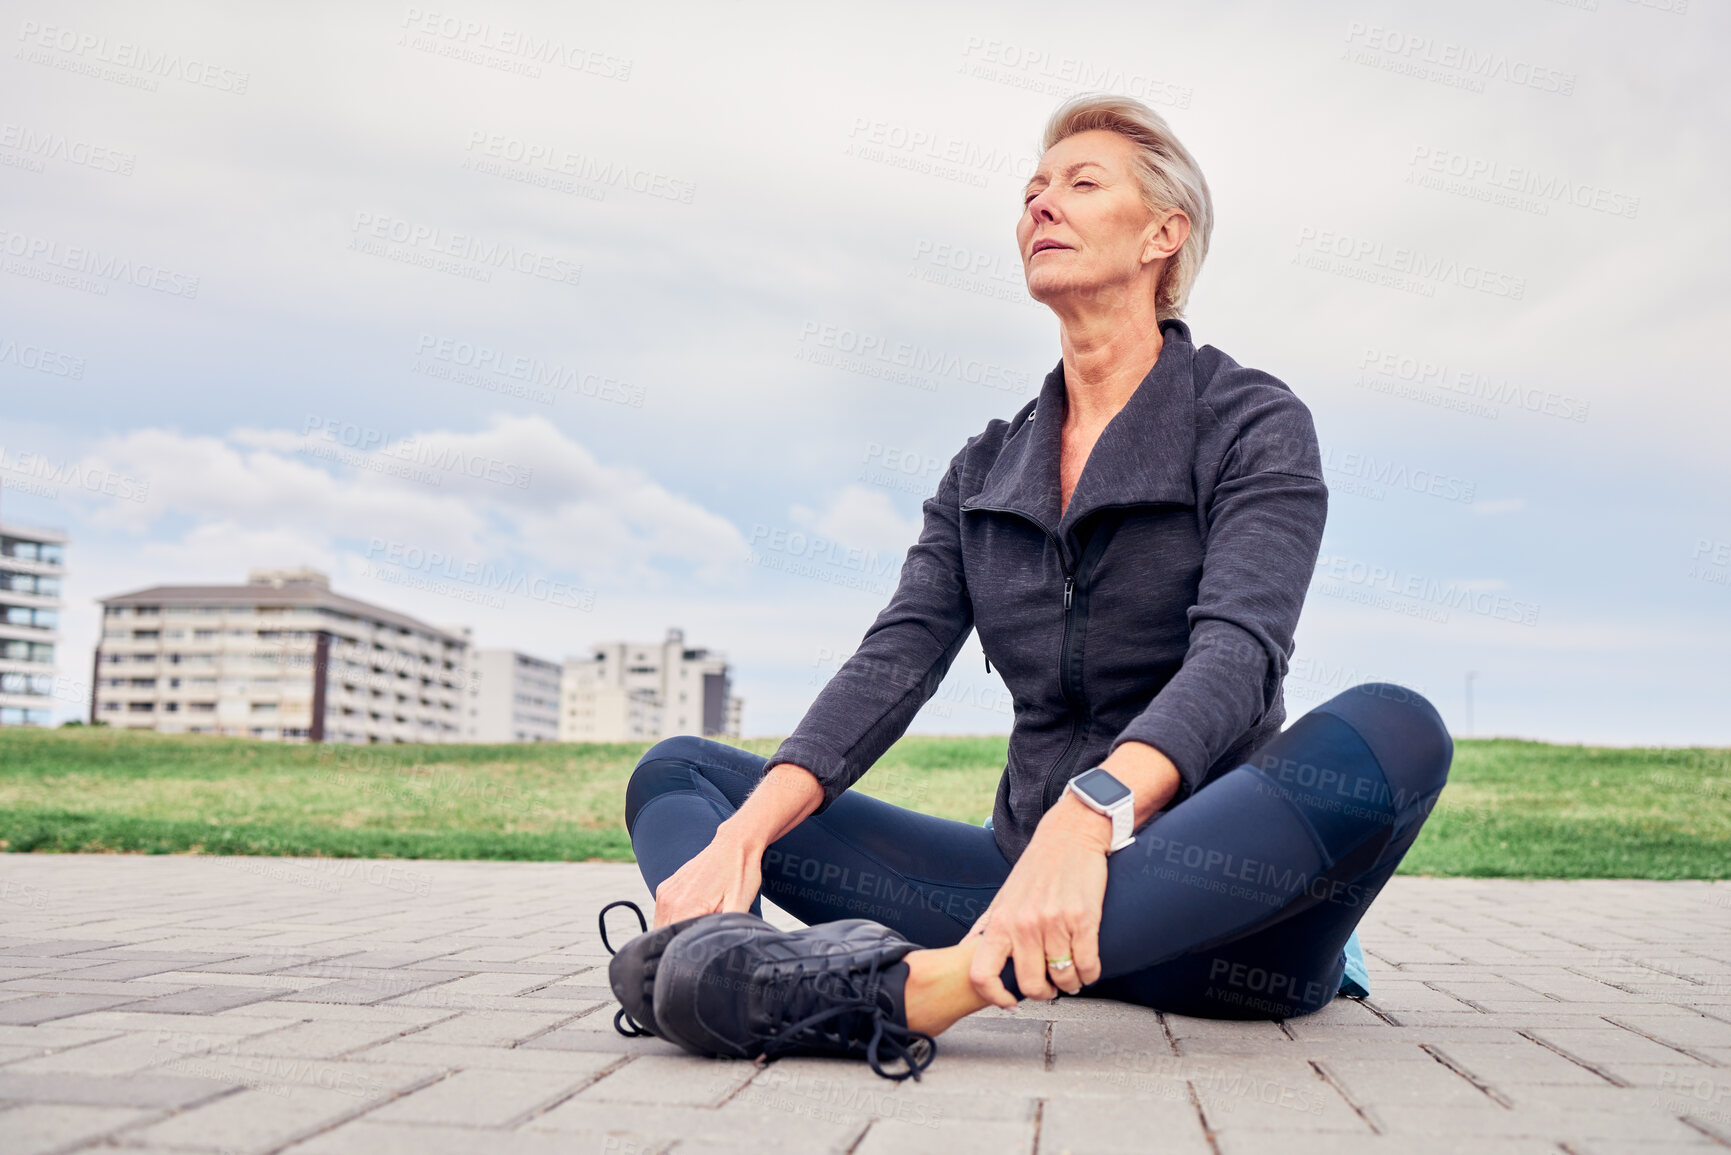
<point x="1512" y="809"/>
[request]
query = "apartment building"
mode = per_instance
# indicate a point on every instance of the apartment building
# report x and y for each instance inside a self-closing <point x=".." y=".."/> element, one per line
<point x="281" y="657"/>
<point x="32" y="567"/>
<point x="646" y="691"/>
<point x="513" y="697"/>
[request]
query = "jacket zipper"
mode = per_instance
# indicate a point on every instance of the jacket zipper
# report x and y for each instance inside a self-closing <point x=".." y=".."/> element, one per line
<point x="1072" y="694"/>
<point x="1071" y="698"/>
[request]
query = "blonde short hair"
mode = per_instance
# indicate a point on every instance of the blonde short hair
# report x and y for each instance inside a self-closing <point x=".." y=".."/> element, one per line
<point x="1168" y="175"/>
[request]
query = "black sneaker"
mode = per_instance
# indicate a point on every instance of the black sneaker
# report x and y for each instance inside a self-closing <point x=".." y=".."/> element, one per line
<point x="733" y="985"/>
<point x="631" y="973"/>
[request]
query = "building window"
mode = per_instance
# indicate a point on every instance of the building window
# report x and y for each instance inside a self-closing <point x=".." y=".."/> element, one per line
<point x="140" y="707"/>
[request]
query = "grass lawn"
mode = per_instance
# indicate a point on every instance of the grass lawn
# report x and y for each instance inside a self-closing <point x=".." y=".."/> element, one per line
<point x="1512" y="809"/>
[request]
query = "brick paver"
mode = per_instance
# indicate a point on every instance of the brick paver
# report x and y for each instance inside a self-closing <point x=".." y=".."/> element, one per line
<point x="331" y="1007"/>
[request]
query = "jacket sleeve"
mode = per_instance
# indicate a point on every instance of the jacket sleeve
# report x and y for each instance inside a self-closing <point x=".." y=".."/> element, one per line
<point x="1263" y="530"/>
<point x="900" y="663"/>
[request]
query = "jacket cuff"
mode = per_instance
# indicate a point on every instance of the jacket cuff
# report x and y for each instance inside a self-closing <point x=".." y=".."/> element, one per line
<point x="1176" y="739"/>
<point x="830" y="770"/>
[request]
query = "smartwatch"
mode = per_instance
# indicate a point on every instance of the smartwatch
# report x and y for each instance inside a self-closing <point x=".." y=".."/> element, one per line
<point x="1104" y="794"/>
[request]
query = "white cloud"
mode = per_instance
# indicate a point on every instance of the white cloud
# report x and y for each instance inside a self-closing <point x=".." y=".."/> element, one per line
<point x="517" y="491"/>
<point x="859" y="516"/>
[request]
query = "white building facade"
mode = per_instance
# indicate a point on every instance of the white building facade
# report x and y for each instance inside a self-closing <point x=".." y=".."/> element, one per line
<point x="646" y="691"/>
<point x="280" y="658"/>
<point x="32" y="567"/>
<point x="513" y="697"/>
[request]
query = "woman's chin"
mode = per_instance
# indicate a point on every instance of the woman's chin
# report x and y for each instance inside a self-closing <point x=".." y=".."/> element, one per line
<point x="1053" y="291"/>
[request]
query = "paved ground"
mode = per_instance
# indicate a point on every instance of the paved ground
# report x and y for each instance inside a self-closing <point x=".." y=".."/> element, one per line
<point x="330" y="1006"/>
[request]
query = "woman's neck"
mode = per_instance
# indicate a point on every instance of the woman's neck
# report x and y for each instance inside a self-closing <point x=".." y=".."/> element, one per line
<point x="1105" y="357"/>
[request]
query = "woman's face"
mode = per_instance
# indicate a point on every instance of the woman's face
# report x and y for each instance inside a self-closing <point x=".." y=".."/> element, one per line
<point x="1085" y="230"/>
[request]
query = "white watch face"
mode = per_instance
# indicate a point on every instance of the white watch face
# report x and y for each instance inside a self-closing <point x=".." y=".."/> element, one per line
<point x="1099" y="787"/>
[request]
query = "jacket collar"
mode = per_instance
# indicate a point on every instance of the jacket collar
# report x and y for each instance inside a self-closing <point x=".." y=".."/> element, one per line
<point x="1145" y="454"/>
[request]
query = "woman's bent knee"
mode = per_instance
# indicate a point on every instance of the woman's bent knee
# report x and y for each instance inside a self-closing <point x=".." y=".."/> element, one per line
<point x="675" y="764"/>
<point x="1404" y="732"/>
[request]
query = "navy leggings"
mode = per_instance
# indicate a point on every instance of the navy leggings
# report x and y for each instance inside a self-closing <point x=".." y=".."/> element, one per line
<point x="1233" y="904"/>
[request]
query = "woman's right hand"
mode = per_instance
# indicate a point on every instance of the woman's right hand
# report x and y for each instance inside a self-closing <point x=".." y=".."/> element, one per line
<point x="725" y="875"/>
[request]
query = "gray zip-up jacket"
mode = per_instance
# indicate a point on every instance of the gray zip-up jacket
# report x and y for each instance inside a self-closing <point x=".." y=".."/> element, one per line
<point x="1160" y="607"/>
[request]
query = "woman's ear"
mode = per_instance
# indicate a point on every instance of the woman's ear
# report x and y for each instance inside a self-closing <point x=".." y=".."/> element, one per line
<point x="1169" y="235"/>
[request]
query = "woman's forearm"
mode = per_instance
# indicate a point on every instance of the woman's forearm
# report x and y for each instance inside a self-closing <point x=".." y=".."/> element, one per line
<point x="781" y="801"/>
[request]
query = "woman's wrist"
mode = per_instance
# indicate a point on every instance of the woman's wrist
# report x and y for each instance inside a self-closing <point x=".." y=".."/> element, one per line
<point x="781" y="801"/>
<point x="1075" y="823"/>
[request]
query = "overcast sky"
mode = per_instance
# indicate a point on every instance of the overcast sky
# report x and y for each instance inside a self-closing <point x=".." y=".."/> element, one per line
<point x="574" y="323"/>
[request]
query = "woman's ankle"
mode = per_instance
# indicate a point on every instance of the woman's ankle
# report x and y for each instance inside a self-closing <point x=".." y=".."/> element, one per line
<point x="938" y="992"/>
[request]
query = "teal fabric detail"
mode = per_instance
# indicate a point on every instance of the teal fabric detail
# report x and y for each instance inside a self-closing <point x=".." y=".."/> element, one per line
<point x="1355" y="980"/>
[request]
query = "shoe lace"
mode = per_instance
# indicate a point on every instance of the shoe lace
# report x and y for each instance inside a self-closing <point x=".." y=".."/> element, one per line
<point x="621" y="1019"/>
<point x="857" y="996"/>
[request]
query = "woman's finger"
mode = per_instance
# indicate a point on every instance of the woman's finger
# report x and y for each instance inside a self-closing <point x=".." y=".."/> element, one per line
<point x="1085" y="949"/>
<point x="1060" y="946"/>
<point x="1029" y="947"/>
<point x="985" y="969"/>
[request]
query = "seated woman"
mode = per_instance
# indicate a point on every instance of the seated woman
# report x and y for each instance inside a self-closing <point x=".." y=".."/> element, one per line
<point x="1133" y="546"/>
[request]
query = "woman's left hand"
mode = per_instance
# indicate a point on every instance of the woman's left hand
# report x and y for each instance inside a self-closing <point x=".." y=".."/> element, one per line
<point x="1049" y="908"/>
